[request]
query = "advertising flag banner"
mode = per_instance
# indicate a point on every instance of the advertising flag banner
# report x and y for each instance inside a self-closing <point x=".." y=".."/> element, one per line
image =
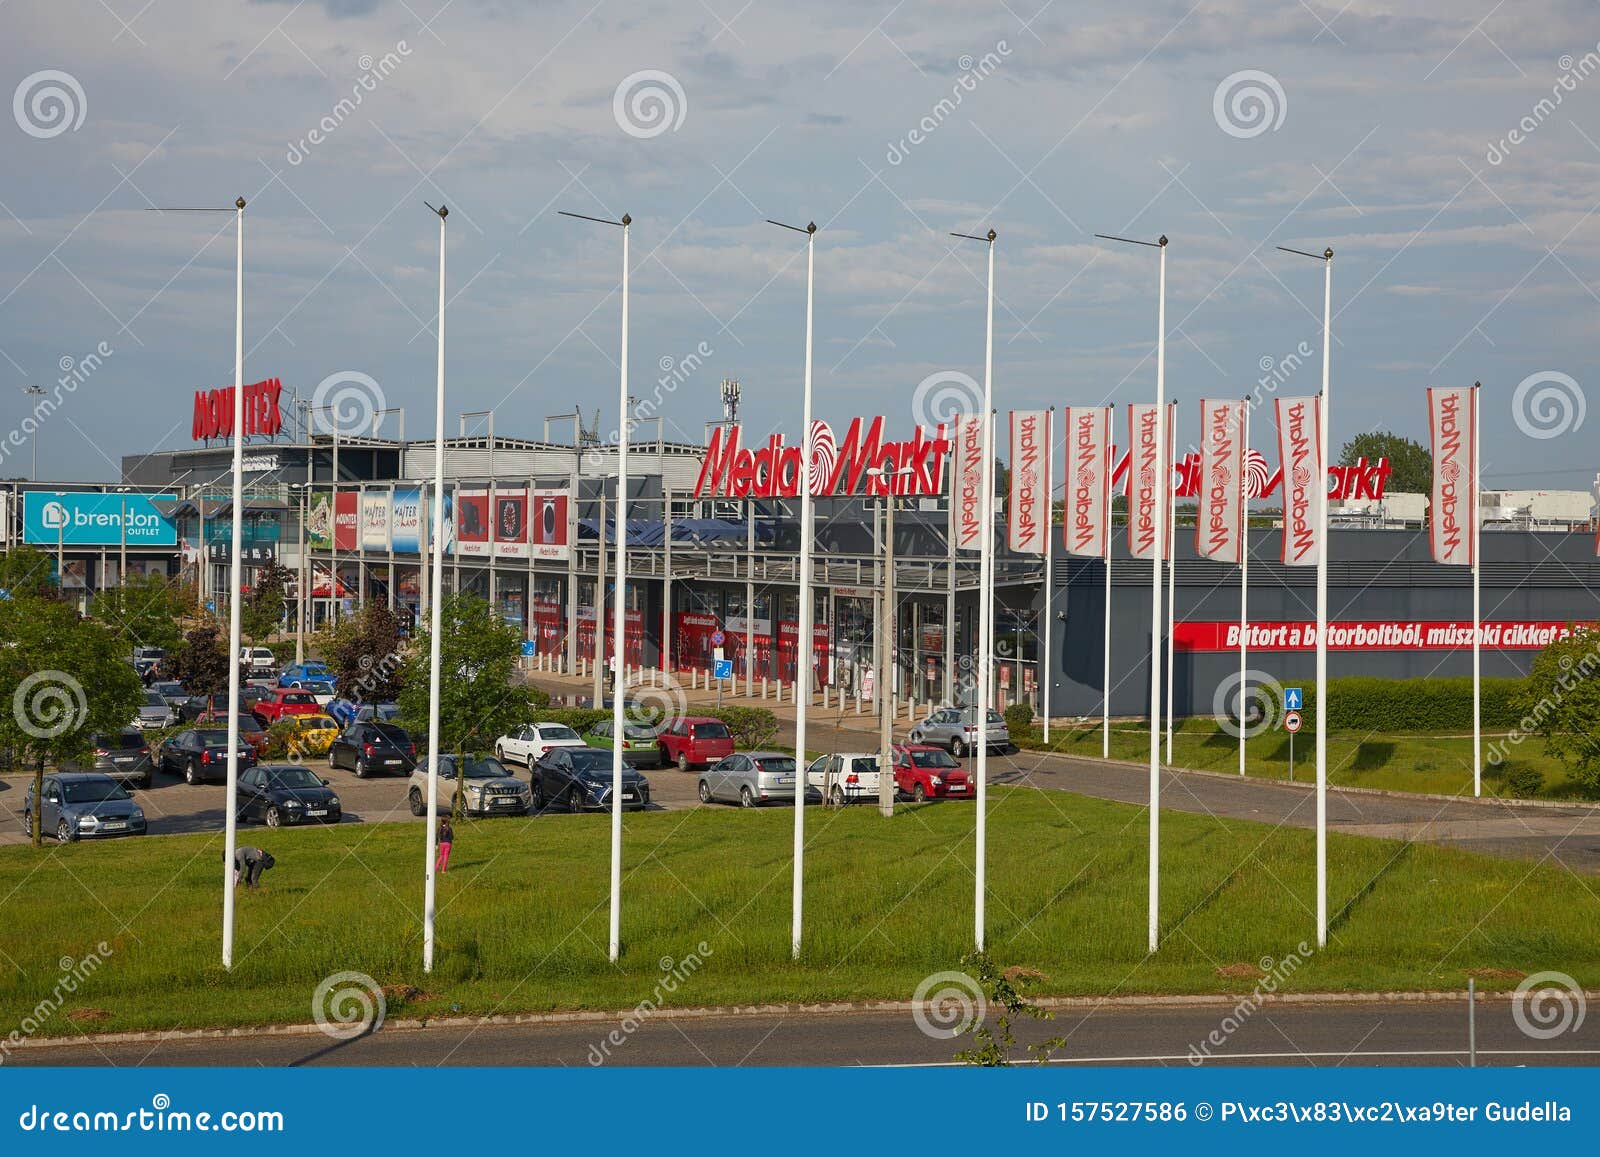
<point x="347" y="520"/>
<point x="511" y="524"/>
<point x="1219" y="526"/>
<point x="1143" y="490"/>
<point x="374" y="521"/>
<point x="1454" y="510"/>
<point x="1028" y="509"/>
<point x="549" y="525"/>
<point x="1304" y="482"/>
<point x="967" y="509"/>
<point x="472" y="521"/>
<point x="1086" y="528"/>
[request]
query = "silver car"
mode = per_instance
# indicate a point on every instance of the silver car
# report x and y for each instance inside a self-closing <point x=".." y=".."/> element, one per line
<point x="155" y="712"/>
<point x="752" y="779"/>
<point x="955" y="728"/>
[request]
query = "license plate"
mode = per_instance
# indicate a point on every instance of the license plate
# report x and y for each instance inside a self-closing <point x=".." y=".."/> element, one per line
<point x="122" y="759"/>
<point x="391" y="763"/>
<point x="317" y="811"/>
<point x="955" y="787"/>
<point x="114" y="825"/>
<point x="627" y="795"/>
<point x="786" y="779"/>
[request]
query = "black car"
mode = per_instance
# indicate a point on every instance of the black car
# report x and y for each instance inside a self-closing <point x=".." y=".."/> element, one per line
<point x="201" y="754"/>
<point x="192" y="708"/>
<point x="366" y="748"/>
<point x="579" y="778"/>
<point x="284" y="793"/>
<point x="123" y="755"/>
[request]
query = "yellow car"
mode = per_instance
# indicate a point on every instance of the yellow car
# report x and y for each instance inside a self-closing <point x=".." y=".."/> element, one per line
<point x="313" y="734"/>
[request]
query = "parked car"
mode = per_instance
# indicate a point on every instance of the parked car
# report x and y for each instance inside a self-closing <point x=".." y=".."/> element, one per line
<point x="172" y="691"/>
<point x="147" y="662"/>
<point x="956" y="730"/>
<point x="348" y="711"/>
<point x="365" y="748"/>
<point x="579" y="778"/>
<point x="313" y="735"/>
<point x="923" y="771"/>
<point x="488" y="789"/>
<point x="299" y="674"/>
<point x="81" y="805"/>
<point x="694" y="741"/>
<point x="200" y="754"/>
<point x="638" y="741"/>
<point x="258" y="660"/>
<point x="154" y="713"/>
<point x="123" y="755"/>
<point x="321" y="689"/>
<point x="844" y="778"/>
<point x="527" y="744"/>
<point x="752" y="779"/>
<point x="278" y="794"/>
<point x="283" y="702"/>
<point x="195" y="706"/>
<point x="250" y="729"/>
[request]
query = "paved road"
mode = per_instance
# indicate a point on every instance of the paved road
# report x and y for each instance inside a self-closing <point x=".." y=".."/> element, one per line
<point x="1382" y="1033"/>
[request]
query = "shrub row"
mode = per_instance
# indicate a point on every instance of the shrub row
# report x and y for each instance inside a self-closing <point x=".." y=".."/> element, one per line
<point x="751" y="727"/>
<point x="1362" y="703"/>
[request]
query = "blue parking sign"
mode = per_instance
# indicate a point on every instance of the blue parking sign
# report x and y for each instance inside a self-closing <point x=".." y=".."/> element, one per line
<point x="722" y="669"/>
<point x="1293" y="698"/>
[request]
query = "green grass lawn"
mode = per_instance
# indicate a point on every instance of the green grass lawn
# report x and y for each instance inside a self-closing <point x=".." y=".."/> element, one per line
<point x="1439" y="764"/>
<point x="523" y="913"/>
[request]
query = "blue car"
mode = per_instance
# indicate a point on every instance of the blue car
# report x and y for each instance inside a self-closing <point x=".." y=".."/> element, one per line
<point x="303" y="674"/>
<point x="82" y="805"/>
<point x="348" y="711"/>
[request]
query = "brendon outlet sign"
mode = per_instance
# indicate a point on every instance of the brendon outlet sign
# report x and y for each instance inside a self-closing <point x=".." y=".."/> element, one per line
<point x="733" y="470"/>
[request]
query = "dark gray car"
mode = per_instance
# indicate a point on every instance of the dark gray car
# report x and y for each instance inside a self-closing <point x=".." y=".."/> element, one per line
<point x="81" y="805"/>
<point x="123" y="755"/>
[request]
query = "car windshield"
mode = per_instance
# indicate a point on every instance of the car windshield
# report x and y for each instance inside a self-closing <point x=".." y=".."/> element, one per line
<point x="120" y="740"/>
<point x="153" y="698"/>
<point x="583" y="760"/>
<point x="485" y="768"/>
<point x="938" y="757"/>
<point x="316" y="671"/>
<point x="781" y="766"/>
<point x="294" y="777"/>
<point x="298" y="698"/>
<point x="92" y="791"/>
<point x="392" y="733"/>
<point x="557" y="731"/>
<point x="638" y="731"/>
<point x="212" y="738"/>
<point x="710" y="731"/>
<point x="315" y="723"/>
<point x="248" y="723"/>
<point x="320" y="688"/>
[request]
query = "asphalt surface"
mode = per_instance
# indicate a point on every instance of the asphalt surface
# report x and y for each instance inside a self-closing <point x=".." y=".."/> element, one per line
<point x="1392" y="1032"/>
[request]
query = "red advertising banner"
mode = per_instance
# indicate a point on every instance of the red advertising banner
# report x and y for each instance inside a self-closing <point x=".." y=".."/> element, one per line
<point x="633" y="645"/>
<point x="472" y="522"/>
<point x="1364" y="635"/>
<point x="549" y="531"/>
<point x="347" y="520"/>
<point x="1304" y="486"/>
<point x="1453" y="513"/>
<point x="1219" y="526"/>
<point x="691" y="642"/>
<point x="511" y="524"/>
<point x="1144" y="493"/>
<point x="1028" y="510"/>
<point x="548" y="621"/>
<point x="788" y="636"/>
<point x="1086" y="527"/>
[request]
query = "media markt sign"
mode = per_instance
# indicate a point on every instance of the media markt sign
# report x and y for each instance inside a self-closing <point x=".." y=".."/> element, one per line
<point x="92" y="519"/>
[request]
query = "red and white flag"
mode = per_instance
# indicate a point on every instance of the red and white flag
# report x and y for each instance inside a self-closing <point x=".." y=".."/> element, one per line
<point x="1145" y="486"/>
<point x="1219" y="529"/>
<point x="1086" y="528"/>
<point x="966" y="507"/>
<point x="1453" y="514"/>
<point x="1305" y="483"/>
<point x="1028" y="524"/>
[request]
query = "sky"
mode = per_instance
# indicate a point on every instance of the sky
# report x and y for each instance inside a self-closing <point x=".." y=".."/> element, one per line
<point x="1447" y="153"/>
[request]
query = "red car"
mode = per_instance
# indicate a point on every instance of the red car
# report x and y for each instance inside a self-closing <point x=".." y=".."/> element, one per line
<point x="694" y="741"/>
<point x="250" y="729"/>
<point x="282" y="702"/>
<point x="926" y="772"/>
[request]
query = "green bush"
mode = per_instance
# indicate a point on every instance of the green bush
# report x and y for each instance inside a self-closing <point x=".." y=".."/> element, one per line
<point x="752" y="727"/>
<point x="1364" y="703"/>
<point x="1522" y="781"/>
<point x="1019" y="716"/>
<point x="278" y="736"/>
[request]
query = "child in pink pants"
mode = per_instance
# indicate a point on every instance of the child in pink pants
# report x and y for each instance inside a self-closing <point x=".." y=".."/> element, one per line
<point x="446" y="835"/>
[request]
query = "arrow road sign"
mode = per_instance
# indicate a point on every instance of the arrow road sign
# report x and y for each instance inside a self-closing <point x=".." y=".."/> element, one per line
<point x="1293" y="698"/>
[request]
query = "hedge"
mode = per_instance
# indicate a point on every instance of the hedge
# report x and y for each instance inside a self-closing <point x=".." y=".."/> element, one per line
<point x="752" y="727"/>
<point x="1365" y="703"/>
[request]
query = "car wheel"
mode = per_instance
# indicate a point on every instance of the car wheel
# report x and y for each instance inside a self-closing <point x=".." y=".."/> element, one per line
<point x="958" y="749"/>
<point x="705" y="792"/>
<point x="538" y="796"/>
<point x="27" y="823"/>
<point x="683" y="761"/>
<point x="838" y="796"/>
<point x="575" y="801"/>
<point x="274" y="817"/>
<point x="499" y="753"/>
<point x="361" y="768"/>
<point x="331" y="765"/>
<point x="418" y="808"/>
<point x="64" y="833"/>
<point x="918" y="794"/>
<point x="746" y="797"/>
<point x="191" y="773"/>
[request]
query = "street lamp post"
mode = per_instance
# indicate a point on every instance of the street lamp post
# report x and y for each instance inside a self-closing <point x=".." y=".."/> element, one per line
<point x="436" y="624"/>
<point x="34" y="392"/>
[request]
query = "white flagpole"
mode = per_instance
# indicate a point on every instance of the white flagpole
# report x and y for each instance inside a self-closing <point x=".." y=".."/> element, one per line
<point x="1046" y="664"/>
<point x="803" y="644"/>
<point x="435" y="628"/>
<point x="1477" y="609"/>
<point x="1105" y="698"/>
<point x="1244" y="566"/>
<point x="1322" y="608"/>
<point x="619" y="621"/>
<point x="231" y="819"/>
<point x="1158" y="510"/>
<point x="1172" y="588"/>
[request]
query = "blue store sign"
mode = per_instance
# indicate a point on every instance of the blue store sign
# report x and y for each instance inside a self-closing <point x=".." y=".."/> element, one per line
<point x="90" y="519"/>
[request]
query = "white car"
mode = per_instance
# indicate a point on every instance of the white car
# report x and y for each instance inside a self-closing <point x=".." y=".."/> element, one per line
<point x="844" y="778"/>
<point x="258" y="660"/>
<point x="527" y="744"/>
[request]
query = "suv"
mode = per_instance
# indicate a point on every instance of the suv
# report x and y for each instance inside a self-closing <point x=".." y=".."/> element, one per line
<point x="844" y="778"/>
<point x="123" y="755"/>
<point x="258" y="660"/>
<point x="155" y="712"/>
<point x="956" y="730"/>
<point x="693" y="741"/>
<point x="488" y="789"/>
<point x="368" y="747"/>
<point x="923" y="771"/>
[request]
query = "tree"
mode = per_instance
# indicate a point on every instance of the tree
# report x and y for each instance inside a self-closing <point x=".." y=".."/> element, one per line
<point x="145" y="611"/>
<point x="26" y="571"/>
<point x="202" y="663"/>
<point x="62" y="679"/>
<point x="365" y="653"/>
<point x="1410" y="463"/>
<point x="1562" y="703"/>
<point x="262" y="611"/>
<point x="477" y="702"/>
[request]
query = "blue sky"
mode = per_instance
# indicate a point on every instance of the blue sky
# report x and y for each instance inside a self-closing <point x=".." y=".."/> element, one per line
<point x="1381" y="129"/>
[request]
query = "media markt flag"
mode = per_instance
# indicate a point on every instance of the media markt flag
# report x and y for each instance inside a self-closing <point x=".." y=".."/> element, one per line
<point x="1028" y="510"/>
<point x="1146" y="484"/>
<point x="1305" y="483"/>
<point x="1453" y="513"/>
<point x="1086" y="528"/>
<point x="1219" y="529"/>
<point x="966" y="507"/>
